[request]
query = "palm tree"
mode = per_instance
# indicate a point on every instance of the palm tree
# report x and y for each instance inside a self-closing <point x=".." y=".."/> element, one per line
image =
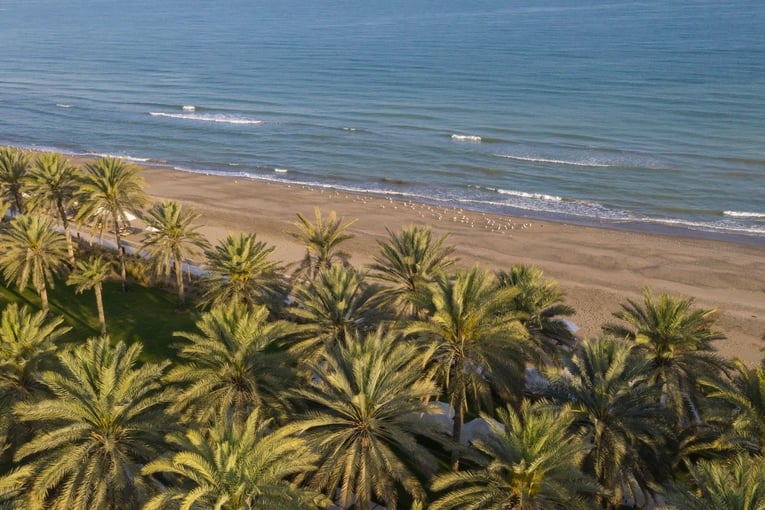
<point x="232" y="365"/>
<point x="734" y="484"/>
<point x="678" y="344"/>
<point x="235" y="466"/>
<point x="112" y="188"/>
<point x="541" y="303"/>
<point x="27" y="346"/>
<point x="367" y="396"/>
<point x="238" y="271"/>
<point x="33" y="250"/>
<point x="322" y="240"/>
<point x="739" y="405"/>
<point x="407" y="262"/>
<point x="105" y="420"/>
<point x="54" y="183"/>
<point x="479" y="344"/>
<point x="607" y="386"/>
<point x="171" y="239"/>
<point x="334" y="305"/>
<point x="91" y="274"/>
<point x="14" y="165"/>
<point x="531" y="462"/>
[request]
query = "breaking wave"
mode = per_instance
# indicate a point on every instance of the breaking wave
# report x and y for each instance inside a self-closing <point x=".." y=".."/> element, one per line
<point x="553" y="161"/>
<point x="524" y="194"/>
<point x="744" y="214"/>
<point x="120" y="156"/>
<point x="466" y="138"/>
<point x="205" y="117"/>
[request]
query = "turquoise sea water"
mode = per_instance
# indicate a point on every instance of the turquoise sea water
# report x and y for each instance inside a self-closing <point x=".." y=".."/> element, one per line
<point x="639" y="114"/>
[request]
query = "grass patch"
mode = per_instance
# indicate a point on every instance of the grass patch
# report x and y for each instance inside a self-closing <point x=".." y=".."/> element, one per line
<point x="143" y="314"/>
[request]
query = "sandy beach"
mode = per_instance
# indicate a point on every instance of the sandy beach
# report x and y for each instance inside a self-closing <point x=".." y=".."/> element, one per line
<point x="598" y="268"/>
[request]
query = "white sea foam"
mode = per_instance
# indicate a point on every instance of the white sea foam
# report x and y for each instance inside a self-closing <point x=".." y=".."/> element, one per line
<point x="466" y="138"/>
<point x="189" y="108"/>
<point x="225" y="119"/>
<point x="63" y="105"/>
<point x="280" y="170"/>
<point x="567" y="208"/>
<point x="120" y="156"/>
<point x="744" y="214"/>
<point x="524" y="194"/>
<point x="552" y="161"/>
<point x="706" y="226"/>
<point x="537" y="202"/>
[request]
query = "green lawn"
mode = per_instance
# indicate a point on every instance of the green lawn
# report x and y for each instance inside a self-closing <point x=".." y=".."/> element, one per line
<point x="142" y="314"/>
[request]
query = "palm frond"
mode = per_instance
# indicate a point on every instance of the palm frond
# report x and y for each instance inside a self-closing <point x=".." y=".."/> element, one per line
<point x="239" y="271"/>
<point x="233" y="365"/>
<point x="105" y="419"/>
<point x="237" y="465"/>
<point x="322" y="240"/>
<point x="368" y="395"/>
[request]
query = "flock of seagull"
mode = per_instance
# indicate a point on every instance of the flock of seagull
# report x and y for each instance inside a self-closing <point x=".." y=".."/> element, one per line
<point x="474" y="219"/>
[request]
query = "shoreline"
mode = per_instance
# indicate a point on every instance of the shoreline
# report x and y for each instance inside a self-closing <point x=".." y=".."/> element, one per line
<point x="662" y="226"/>
<point x="597" y="267"/>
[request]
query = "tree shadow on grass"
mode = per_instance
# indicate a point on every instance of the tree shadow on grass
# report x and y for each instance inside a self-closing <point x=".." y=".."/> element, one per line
<point x="144" y="314"/>
<point x="63" y="302"/>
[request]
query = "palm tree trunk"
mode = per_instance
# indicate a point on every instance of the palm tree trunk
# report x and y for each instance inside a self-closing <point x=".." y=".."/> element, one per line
<point x="43" y="296"/>
<point x="123" y="272"/>
<point x="18" y="202"/>
<point x="179" y="283"/>
<point x="67" y="232"/>
<point x="69" y="245"/>
<point x="459" y="419"/>
<point x="100" y="307"/>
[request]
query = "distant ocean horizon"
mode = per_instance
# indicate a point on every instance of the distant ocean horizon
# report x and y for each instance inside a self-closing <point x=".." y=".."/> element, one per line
<point x="646" y="115"/>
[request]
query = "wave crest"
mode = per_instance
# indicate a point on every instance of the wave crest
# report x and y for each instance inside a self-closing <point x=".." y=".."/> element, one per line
<point x="524" y="194"/>
<point x="744" y="214"/>
<point x="126" y="157"/>
<point x="553" y="161"/>
<point x="202" y="117"/>
<point x="466" y="138"/>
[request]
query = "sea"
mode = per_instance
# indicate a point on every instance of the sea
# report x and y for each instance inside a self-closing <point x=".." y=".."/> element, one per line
<point x="644" y="115"/>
